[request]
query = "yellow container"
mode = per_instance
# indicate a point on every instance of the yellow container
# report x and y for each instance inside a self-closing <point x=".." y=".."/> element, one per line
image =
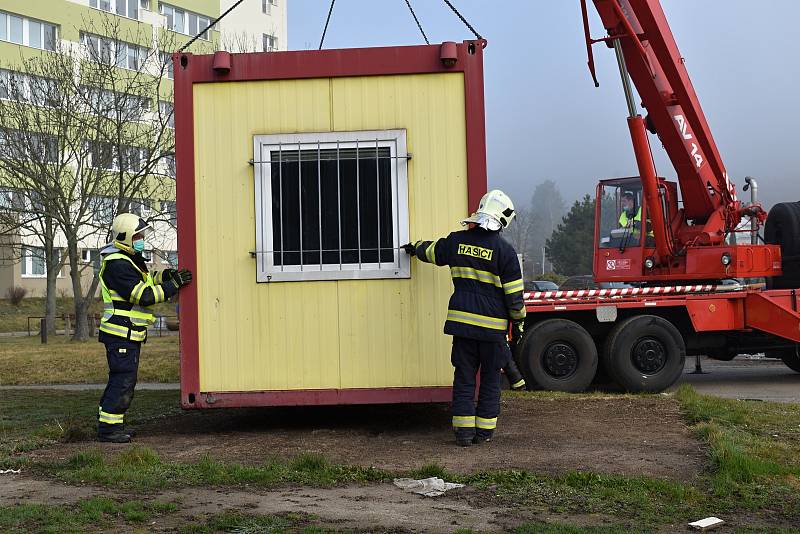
<point x="325" y="334"/>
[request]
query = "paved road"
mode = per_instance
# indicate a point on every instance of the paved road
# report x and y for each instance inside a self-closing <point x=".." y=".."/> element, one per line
<point x="762" y="379"/>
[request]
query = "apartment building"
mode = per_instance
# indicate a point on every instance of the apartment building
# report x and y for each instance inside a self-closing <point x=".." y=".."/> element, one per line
<point x="29" y="27"/>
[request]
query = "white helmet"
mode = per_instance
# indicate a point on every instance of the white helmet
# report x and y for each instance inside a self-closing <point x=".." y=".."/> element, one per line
<point x="124" y="227"/>
<point x="494" y="212"/>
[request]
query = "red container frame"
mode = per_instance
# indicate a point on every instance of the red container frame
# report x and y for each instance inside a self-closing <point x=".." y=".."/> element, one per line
<point x="191" y="69"/>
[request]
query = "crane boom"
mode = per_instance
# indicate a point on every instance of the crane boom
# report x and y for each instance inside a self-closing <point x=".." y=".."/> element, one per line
<point x="660" y="76"/>
<point x="685" y="242"/>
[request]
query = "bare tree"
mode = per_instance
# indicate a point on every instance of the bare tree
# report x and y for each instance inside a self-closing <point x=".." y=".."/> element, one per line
<point x="96" y="140"/>
<point x="31" y="169"/>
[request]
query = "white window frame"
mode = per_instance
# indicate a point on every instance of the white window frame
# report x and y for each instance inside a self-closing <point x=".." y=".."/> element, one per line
<point x="119" y="51"/>
<point x="263" y="145"/>
<point x="170" y="209"/>
<point x="26" y="31"/>
<point x="185" y="14"/>
<point x="273" y="42"/>
<point x="103" y="209"/>
<point x="169" y="67"/>
<point x="147" y="255"/>
<point x="167" y="110"/>
<point x="6" y="199"/>
<point x="113" y="6"/>
<point x="86" y="255"/>
<point x="26" y="262"/>
<point x="29" y="87"/>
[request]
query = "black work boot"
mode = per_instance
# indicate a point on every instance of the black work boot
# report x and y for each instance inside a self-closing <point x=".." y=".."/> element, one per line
<point x="464" y="436"/>
<point x="482" y="436"/>
<point x="115" y="436"/>
<point x="130" y="431"/>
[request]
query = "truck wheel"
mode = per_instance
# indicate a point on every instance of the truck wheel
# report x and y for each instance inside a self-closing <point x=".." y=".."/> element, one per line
<point x="645" y="353"/>
<point x="792" y="361"/>
<point x="558" y="355"/>
<point x="783" y="227"/>
<point x="791" y="357"/>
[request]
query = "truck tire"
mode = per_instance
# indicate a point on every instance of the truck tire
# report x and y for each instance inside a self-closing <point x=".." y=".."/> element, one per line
<point x="783" y="227"/>
<point x="792" y="361"/>
<point x="558" y="355"/>
<point x="644" y="354"/>
<point x="791" y="357"/>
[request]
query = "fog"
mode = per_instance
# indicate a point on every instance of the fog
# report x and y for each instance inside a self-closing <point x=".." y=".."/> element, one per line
<point x="546" y="120"/>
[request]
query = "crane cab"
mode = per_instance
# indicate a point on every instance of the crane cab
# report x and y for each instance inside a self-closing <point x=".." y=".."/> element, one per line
<point x="625" y="241"/>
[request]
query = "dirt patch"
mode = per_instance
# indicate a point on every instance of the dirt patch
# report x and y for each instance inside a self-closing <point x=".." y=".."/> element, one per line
<point x="616" y="435"/>
<point x="363" y="508"/>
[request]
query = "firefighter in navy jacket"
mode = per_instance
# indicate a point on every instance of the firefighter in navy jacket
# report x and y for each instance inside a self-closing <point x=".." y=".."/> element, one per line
<point x="487" y="298"/>
<point x="129" y="292"/>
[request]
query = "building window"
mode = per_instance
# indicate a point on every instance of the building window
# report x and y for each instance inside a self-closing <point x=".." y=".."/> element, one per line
<point x="36" y="90"/>
<point x="267" y="5"/>
<point x="32" y="263"/>
<point x="112" y="52"/>
<point x="167" y="113"/>
<point x="86" y="255"/>
<point x="103" y="209"/>
<point x="168" y="162"/>
<point x="123" y="8"/>
<point x="116" y="158"/>
<point x="172" y="259"/>
<point x="331" y="205"/>
<point x="169" y="67"/>
<point x="148" y="256"/>
<point x="185" y="22"/>
<point x="270" y="42"/>
<point x="6" y="199"/>
<point x="140" y="208"/>
<point x="115" y="105"/>
<point x="28" y="32"/>
<point x="169" y="209"/>
<point x="19" y="145"/>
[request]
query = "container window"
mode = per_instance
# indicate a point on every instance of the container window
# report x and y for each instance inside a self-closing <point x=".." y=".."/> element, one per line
<point x="331" y="206"/>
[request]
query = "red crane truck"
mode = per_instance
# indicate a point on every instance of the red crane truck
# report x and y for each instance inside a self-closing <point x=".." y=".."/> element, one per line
<point x="681" y="256"/>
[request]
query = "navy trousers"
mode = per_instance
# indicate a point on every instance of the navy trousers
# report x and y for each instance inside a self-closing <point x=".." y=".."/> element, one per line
<point x="123" y="366"/>
<point x="468" y="357"/>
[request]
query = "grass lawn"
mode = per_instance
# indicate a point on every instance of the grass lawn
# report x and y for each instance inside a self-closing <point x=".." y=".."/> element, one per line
<point x="752" y="447"/>
<point x="15" y="318"/>
<point x="24" y="360"/>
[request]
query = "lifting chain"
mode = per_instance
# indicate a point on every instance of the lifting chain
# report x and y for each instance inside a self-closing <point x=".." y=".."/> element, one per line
<point x="467" y="24"/>
<point x="408" y="3"/>
<point x="416" y="19"/>
<point x="327" y="21"/>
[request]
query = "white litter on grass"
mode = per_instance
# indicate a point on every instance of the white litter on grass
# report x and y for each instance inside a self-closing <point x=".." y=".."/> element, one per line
<point x="429" y="487"/>
<point x="10" y="471"/>
<point x="707" y="523"/>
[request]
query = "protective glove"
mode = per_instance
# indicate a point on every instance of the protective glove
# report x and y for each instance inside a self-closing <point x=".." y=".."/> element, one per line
<point x="168" y="274"/>
<point x="517" y="329"/>
<point x="182" y="278"/>
<point x="410" y="249"/>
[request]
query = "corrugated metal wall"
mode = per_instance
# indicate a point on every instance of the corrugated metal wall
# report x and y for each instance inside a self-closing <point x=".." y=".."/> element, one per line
<point x="320" y="334"/>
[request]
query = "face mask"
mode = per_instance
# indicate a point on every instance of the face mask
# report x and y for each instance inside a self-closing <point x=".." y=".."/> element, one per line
<point x="138" y="245"/>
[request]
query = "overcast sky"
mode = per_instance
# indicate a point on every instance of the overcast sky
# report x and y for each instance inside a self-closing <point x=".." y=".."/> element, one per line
<point x="546" y="120"/>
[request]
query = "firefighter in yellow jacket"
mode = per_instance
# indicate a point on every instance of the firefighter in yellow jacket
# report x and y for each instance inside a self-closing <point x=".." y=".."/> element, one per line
<point x="129" y="291"/>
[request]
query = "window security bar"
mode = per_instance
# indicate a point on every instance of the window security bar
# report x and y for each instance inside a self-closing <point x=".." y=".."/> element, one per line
<point x="255" y="253"/>
<point x="407" y="157"/>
